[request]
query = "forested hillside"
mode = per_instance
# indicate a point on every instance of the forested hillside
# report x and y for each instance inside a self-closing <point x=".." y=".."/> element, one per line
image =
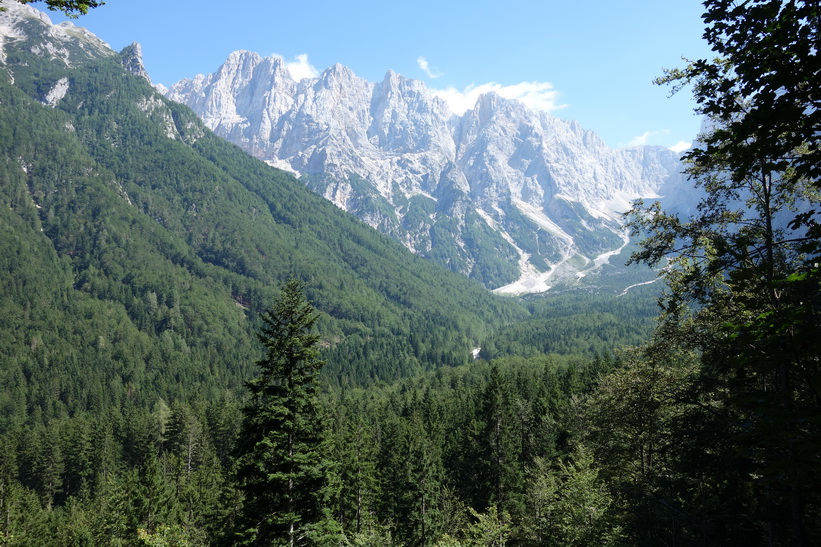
<point x="140" y="244"/>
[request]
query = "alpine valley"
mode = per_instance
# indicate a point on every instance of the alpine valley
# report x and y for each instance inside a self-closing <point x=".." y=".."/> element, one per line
<point x="202" y="343"/>
<point x="517" y="199"/>
<point x="155" y="244"/>
<point x="138" y="245"/>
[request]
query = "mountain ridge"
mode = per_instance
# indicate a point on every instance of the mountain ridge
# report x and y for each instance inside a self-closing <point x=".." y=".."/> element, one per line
<point x="500" y="193"/>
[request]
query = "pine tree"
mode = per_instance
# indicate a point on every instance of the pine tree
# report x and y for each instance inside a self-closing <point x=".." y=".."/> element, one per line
<point x="499" y="446"/>
<point x="355" y="453"/>
<point x="280" y="446"/>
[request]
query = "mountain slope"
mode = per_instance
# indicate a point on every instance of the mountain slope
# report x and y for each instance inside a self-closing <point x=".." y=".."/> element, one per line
<point x="499" y="193"/>
<point x="139" y="247"/>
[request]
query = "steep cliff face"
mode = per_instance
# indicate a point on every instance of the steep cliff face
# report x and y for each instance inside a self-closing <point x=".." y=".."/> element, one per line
<point x="514" y="198"/>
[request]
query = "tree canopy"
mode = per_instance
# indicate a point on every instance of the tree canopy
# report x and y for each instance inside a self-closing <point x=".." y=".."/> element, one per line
<point x="72" y="8"/>
<point x="763" y="87"/>
<point x="742" y="272"/>
<point x="134" y="270"/>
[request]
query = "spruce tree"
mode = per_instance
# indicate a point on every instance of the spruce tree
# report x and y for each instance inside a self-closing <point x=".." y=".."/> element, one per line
<point x="280" y="446"/>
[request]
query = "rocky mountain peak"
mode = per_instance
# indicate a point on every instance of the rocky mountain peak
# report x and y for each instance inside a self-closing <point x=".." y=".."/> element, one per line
<point x="499" y="193"/>
<point x="65" y="41"/>
<point x="132" y="57"/>
<point x="516" y="199"/>
<point x="337" y="76"/>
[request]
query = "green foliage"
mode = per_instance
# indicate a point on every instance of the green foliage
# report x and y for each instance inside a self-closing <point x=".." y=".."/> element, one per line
<point x="762" y="86"/>
<point x="164" y="536"/>
<point x="742" y="276"/>
<point x="141" y="249"/>
<point x="139" y="253"/>
<point x="498" y="442"/>
<point x="532" y="239"/>
<point x="490" y="529"/>
<point x="635" y="425"/>
<point x="579" y="510"/>
<point x="577" y="323"/>
<point x="458" y="439"/>
<point x="72" y="8"/>
<point x="496" y="261"/>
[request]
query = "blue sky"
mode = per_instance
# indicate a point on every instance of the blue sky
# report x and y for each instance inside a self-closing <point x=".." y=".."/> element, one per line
<point x="587" y="60"/>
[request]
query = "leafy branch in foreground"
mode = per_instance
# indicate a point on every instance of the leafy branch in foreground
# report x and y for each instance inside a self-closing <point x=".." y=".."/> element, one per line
<point x="72" y="8"/>
<point x="742" y="272"/>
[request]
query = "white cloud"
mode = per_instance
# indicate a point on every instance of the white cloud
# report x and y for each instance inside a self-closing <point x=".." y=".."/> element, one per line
<point x="426" y="68"/>
<point x="300" y="68"/>
<point x="681" y="146"/>
<point x="642" y="139"/>
<point x="536" y="95"/>
<point x="647" y="136"/>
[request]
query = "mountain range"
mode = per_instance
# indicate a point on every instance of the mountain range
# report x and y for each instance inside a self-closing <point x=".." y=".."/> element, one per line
<point x="139" y="248"/>
<point x="517" y="199"/>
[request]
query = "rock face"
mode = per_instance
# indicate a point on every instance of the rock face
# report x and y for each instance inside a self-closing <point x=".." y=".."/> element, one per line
<point x="517" y="199"/>
<point x="132" y="57"/>
<point x="64" y="42"/>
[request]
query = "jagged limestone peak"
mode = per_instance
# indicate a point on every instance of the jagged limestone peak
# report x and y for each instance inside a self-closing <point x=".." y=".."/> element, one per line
<point x="132" y="58"/>
<point x="500" y="192"/>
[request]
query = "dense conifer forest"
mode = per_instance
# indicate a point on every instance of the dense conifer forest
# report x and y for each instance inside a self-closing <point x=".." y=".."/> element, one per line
<point x="197" y="350"/>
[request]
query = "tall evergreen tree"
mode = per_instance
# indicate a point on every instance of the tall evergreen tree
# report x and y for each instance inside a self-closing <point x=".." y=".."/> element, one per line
<point x="280" y="445"/>
<point x="499" y="446"/>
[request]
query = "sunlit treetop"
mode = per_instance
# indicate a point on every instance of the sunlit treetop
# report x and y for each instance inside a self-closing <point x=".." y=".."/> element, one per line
<point x="72" y="8"/>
